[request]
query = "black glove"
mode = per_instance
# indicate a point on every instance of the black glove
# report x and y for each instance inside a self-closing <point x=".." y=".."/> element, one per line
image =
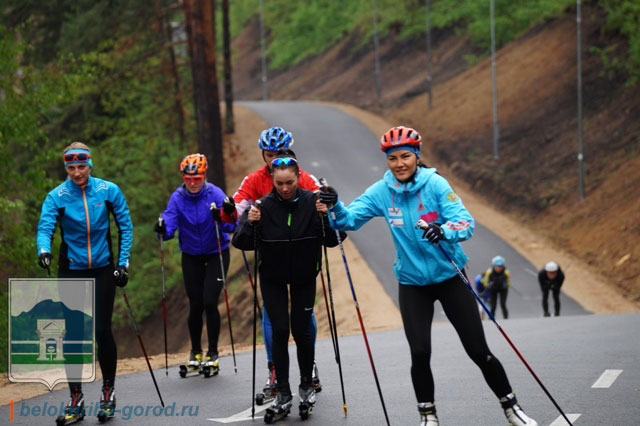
<point x="433" y="233"/>
<point x="328" y="196"/>
<point x="215" y="212"/>
<point x="159" y="227"/>
<point x="121" y="275"/>
<point x="229" y="206"/>
<point x="44" y="260"/>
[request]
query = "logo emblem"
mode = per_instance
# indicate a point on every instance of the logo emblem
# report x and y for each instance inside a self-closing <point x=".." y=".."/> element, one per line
<point x="51" y="330"/>
<point x="452" y="196"/>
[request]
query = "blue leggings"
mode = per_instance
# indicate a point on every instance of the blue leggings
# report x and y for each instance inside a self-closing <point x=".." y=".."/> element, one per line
<point x="267" y="331"/>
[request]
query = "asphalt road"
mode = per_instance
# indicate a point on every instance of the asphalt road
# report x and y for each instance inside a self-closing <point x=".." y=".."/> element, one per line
<point x="336" y="146"/>
<point x="569" y="354"/>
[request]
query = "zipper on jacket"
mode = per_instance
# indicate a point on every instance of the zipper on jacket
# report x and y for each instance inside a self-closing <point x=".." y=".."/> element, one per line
<point x="86" y="211"/>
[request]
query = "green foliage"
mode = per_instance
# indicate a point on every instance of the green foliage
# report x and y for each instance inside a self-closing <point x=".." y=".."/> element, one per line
<point x="623" y="17"/>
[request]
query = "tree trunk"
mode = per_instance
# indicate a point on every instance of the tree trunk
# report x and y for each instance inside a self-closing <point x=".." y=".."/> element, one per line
<point x="201" y="40"/>
<point x="226" y="46"/>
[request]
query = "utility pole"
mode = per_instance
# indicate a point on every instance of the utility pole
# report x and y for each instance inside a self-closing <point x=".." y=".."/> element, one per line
<point x="226" y="54"/>
<point x="376" y="47"/>
<point x="263" y="54"/>
<point x="579" y="58"/>
<point x="494" y="90"/>
<point x="429" y="79"/>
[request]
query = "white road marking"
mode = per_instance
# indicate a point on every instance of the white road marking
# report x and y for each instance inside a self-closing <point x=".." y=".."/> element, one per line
<point x="606" y="379"/>
<point x="245" y="415"/>
<point x="315" y="164"/>
<point x="529" y="271"/>
<point x="560" y="421"/>
<point x="375" y="168"/>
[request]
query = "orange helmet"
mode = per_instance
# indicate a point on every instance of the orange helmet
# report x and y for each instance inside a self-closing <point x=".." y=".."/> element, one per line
<point x="401" y="136"/>
<point x="194" y="164"/>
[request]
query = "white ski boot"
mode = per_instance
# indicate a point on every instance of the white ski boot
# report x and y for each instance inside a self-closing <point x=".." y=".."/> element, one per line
<point x="514" y="413"/>
<point x="428" y="416"/>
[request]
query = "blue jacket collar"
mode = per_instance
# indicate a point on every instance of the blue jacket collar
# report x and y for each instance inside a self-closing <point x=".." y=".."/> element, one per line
<point x="420" y="178"/>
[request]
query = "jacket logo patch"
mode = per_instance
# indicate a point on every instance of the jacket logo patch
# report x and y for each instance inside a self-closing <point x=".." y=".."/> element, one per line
<point x="396" y="223"/>
<point x="452" y="196"/>
<point x="101" y="186"/>
<point x="63" y="191"/>
<point x="394" y="211"/>
<point x="430" y="217"/>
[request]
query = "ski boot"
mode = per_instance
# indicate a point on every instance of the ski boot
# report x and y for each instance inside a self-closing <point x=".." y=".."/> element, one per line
<point x="269" y="391"/>
<point x="280" y="408"/>
<point x="107" y="402"/>
<point x="428" y="415"/>
<point x="193" y="366"/>
<point x="515" y="414"/>
<point x="307" y="396"/>
<point x="74" y="411"/>
<point x="210" y="365"/>
<point x="315" y="379"/>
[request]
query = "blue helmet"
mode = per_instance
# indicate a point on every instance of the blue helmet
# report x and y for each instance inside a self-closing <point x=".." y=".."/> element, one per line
<point x="274" y="139"/>
<point x="498" y="261"/>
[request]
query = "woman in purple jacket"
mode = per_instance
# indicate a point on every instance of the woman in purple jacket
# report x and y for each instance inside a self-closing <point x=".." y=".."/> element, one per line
<point x="190" y="211"/>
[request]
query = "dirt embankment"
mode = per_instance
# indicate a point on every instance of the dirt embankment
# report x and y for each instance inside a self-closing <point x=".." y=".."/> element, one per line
<point x="535" y="180"/>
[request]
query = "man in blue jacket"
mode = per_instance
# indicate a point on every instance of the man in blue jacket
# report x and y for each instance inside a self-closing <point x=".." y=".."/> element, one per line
<point x="81" y="206"/>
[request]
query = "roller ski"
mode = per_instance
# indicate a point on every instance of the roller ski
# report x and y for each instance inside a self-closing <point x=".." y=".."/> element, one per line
<point x="74" y="411"/>
<point x="269" y="391"/>
<point x="193" y="367"/>
<point x="307" y="396"/>
<point x="107" y="403"/>
<point x="210" y="365"/>
<point x="280" y="408"/>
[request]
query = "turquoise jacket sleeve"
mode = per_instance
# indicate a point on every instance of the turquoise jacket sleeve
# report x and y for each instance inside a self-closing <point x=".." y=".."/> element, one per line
<point x="124" y="223"/>
<point x="360" y="211"/>
<point x="458" y="225"/>
<point x="47" y="225"/>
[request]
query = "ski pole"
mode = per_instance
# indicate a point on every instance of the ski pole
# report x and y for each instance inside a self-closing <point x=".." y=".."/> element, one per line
<point x="323" y="182"/>
<point x="246" y="267"/>
<point x="164" y="301"/>
<point x="224" y="287"/>
<point x="332" y="317"/>
<point x="135" y="326"/>
<point x="255" y="305"/>
<point x="421" y="224"/>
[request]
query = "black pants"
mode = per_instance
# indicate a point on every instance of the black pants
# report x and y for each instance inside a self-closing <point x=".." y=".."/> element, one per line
<point x="276" y="300"/>
<point x="556" y="300"/>
<point x="493" y="301"/>
<point x="416" y="307"/>
<point x="105" y="291"/>
<point x="203" y="284"/>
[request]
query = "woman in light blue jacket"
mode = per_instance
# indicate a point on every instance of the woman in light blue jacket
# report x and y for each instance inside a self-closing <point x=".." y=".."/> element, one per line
<point x="409" y="192"/>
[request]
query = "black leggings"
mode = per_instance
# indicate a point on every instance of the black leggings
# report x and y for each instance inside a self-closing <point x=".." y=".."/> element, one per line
<point x="556" y="300"/>
<point x="276" y="300"/>
<point x="105" y="291"/>
<point x="203" y="284"/>
<point x="416" y="307"/>
<point x="493" y="301"/>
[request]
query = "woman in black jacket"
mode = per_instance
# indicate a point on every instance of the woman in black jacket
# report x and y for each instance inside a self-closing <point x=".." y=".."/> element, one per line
<point x="290" y="238"/>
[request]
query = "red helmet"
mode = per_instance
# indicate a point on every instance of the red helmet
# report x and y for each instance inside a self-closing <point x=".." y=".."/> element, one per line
<point x="194" y="164"/>
<point x="399" y="136"/>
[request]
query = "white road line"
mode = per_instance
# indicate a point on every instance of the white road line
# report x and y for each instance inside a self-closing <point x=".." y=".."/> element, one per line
<point x="606" y="379"/>
<point x="245" y="415"/>
<point x="315" y="164"/>
<point x="560" y="421"/>
<point x="529" y="271"/>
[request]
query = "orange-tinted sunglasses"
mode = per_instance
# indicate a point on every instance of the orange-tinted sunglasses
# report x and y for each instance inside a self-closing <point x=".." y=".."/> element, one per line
<point x="193" y="180"/>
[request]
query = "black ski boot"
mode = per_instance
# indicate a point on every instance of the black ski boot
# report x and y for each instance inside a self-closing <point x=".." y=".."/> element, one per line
<point x="280" y="408"/>
<point x="514" y="413"/>
<point x="107" y="402"/>
<point x="428" y="415"/>
<point x="315" y="379"/>
<point x="210" y="365"/>
<point x="269" y="391"/>
<point x="307" y="397"/>
<point x="74" y="411"/>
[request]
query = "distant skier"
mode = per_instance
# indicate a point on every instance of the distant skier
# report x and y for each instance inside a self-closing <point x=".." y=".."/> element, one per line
<point x="482" y="292"/>
<point x="409" y="192"/>
<point x="551" y="278"/>
<point x="253" y="187"/>
<point x="289" y="233"/>
<point x="189" y="212"/>
<point x="81" y="206"/>
<point x="497" y="281"/>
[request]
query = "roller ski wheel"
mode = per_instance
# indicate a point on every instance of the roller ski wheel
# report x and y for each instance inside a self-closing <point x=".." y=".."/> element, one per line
<point x="74" y="411"/>
<point x="307" y="400"/>
<point x="193" y="367"/>
<point x="262" y="398"/>
<point x="210" y="365"/>
<point x="280" y="408"/>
